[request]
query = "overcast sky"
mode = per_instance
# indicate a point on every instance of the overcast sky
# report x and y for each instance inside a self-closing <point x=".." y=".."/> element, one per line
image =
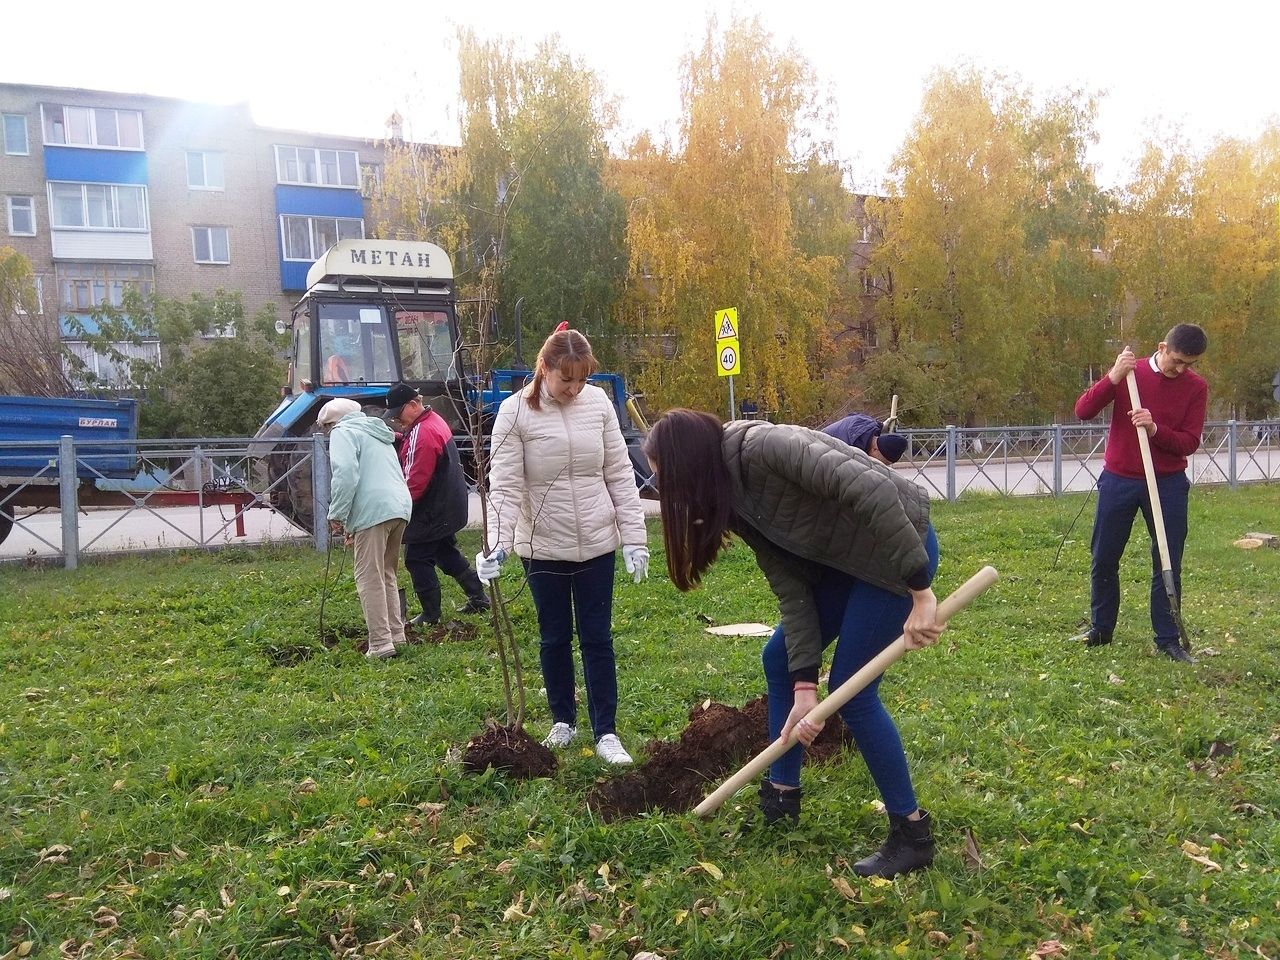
<point x="319" y="65"/>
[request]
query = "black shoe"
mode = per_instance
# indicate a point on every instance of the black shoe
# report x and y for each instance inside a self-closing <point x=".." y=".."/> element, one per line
<point x="1174" y="651"/>
<point x="908" y="847"/>
<point x="1094" y="638"/>
<point x="421" y="621"/>
<point x="475" y="606"/>
<point x="776" y="804"/>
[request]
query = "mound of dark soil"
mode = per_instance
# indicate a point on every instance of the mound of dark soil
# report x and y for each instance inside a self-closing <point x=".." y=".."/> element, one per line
<point x="717" y="741"/>
<point x="514" y="752"/>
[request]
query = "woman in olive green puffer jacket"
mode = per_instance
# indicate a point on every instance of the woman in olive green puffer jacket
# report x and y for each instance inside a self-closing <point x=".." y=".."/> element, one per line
<point x="847" y="548"/>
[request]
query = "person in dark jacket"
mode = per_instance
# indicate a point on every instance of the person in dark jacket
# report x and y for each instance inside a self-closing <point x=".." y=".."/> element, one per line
<point x="847" y="547"/>
<point x="438" y="488"/>
<point x="867" y="434"/>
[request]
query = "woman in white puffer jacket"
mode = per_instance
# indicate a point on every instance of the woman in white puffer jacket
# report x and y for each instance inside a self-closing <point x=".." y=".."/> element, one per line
<point x="563" y="498"/>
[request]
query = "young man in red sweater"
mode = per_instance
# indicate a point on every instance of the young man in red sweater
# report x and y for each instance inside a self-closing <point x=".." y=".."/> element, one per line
<point x="1174" y="397"/>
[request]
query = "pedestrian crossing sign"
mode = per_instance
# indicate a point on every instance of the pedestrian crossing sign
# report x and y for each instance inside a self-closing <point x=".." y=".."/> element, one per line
<point x="727" y="323"/>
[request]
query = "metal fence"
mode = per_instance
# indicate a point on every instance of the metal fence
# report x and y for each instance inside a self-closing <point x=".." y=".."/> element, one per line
<point x="209" y="493"/>
<point x="71" y="499"/>
<point x="1058" y="459"/>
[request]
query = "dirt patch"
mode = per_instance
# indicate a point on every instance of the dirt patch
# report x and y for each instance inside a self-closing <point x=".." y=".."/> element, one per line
<point x="332" y="636"/>
<point x="513" y="752"/>
<point x="289" y="654"/>
<point x="453" y="631"/>
<point x="718" y="739"/>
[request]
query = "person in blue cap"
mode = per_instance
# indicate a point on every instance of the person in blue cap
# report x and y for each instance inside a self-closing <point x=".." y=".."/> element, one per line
<point x="867" y="434"/>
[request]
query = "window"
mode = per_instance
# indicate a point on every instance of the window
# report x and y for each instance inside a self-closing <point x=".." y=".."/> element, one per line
<point x="354" y="345"/>
<point x="113" y="368"/>
<point x="15" y="134"/>
<point x="205" y="170"/>
<point x="31" y="300"/>
<point x="92" y="126"/>
<point x="306" y="238"/>
<point x="320" y="168"/>
<point x="211" y="244"/>
<point x="97" y="206"/>
<point x="22" y="216"/>
<point x="84" y="286"/>
<point x="426" y="345"/>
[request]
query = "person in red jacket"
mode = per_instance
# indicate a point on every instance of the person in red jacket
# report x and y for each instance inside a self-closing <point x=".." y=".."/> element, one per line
<point x="433" y="471"/>
<point x="1174" y="398"/>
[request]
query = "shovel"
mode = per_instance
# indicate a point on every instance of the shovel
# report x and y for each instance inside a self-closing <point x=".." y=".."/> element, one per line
<point x="842" y="694"/>
<point x="1157" y="519"/>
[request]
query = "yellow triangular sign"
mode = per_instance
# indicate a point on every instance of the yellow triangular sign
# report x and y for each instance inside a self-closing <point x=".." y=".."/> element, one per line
<point x="726" y="323"/>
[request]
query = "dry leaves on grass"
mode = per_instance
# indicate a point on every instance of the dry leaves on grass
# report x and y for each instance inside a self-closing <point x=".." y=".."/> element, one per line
<point x="1197" y="854"/>
<point x="972" y="856"/>
<point x="1048" y="948"/>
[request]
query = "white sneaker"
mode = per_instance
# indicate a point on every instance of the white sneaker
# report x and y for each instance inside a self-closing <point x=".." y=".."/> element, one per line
<point x="609" y="749"/>
<point x="561" y="735"/>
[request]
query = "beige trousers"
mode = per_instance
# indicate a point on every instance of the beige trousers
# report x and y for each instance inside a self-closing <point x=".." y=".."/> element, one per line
<point x="377" y="550"/>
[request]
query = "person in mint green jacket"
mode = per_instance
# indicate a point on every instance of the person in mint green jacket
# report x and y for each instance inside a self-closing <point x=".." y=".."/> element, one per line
<point x="369" y="504"/>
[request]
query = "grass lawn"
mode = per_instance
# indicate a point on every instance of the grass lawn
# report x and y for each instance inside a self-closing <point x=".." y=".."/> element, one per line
<point x="168" y="790"/>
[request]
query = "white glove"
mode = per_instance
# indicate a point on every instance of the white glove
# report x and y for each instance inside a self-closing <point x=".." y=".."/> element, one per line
<point x="488" y="565"/>
<point x="637" y="561"/>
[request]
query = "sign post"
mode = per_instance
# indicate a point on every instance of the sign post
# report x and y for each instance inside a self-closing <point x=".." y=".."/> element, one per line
<point x="728" y="350"/>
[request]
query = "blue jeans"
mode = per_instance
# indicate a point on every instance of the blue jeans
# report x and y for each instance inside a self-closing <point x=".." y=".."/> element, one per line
<point x="562" y="591"/>
<point x="1119" y="500"/>
<point x="863" y="620"/>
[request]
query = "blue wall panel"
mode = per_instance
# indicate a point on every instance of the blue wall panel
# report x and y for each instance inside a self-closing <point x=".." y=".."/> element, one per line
<point x="293" y="274"/>
<point x="318" y="201"/>
<point x="86" y="165"/>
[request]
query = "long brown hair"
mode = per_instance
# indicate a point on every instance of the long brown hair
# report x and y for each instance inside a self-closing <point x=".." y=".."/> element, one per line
<point x="694" y="491"/>
<point x="565" y="350"/>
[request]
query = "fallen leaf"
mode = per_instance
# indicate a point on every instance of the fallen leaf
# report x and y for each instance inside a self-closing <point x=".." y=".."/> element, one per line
<point x="1248" y="809"/>
<point x="516" y="911"/>
<point x="603" y="872"/>
<point x="972" y="856"/>
<point x="225" y="896"/>
<point x="363" y="802"/>
<point x="879" y="882"/>
<point x="712" y="870"/>
<point x="283" y="891"/>
<point x="5" y="894"/>
<point x="308" y="786"/>
<point x="1220" y="748"/>
<point x="1191" y="848"/>
<point x="152" y="859"/>
<point x="1113" y="678"/>
<point x="1048" y="948"/>
<point x="1209" y="865"/>
<point x="681" y="915"/>
<point x="937" y="938"/>
<point x="461" y="842"/>
<point x="375" y="946"/>
<point x="648" y="955"/>
<point x="845" y="889"/>
<point x="595" y="932"/>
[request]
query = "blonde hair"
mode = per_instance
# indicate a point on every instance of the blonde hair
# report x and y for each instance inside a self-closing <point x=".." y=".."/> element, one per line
<point x="567" y="351"/>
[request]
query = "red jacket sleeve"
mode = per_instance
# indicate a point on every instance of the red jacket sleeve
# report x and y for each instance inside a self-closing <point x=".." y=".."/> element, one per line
<point x="418" y="457"/>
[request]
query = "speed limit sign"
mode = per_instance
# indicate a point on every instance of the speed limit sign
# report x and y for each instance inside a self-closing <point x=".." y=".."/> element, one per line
<point x="730" y="358"/>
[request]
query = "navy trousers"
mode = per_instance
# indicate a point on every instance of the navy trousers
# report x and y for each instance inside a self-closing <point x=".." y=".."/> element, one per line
<point x="566" y="592"/>
<point x="1119" y="500"/>
<point x="421" y="560"/>
<point x="863" y="620"/>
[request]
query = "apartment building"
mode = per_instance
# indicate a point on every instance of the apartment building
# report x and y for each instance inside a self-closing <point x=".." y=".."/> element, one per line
<point x="106" y="191"/>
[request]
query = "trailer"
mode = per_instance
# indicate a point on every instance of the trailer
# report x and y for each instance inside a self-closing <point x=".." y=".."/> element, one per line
<point x="31" y="429"/>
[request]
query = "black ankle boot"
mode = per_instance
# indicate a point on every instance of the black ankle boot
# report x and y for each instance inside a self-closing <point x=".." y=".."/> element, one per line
<point x="908" y="847"/>
<point x="776" y="804"/>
